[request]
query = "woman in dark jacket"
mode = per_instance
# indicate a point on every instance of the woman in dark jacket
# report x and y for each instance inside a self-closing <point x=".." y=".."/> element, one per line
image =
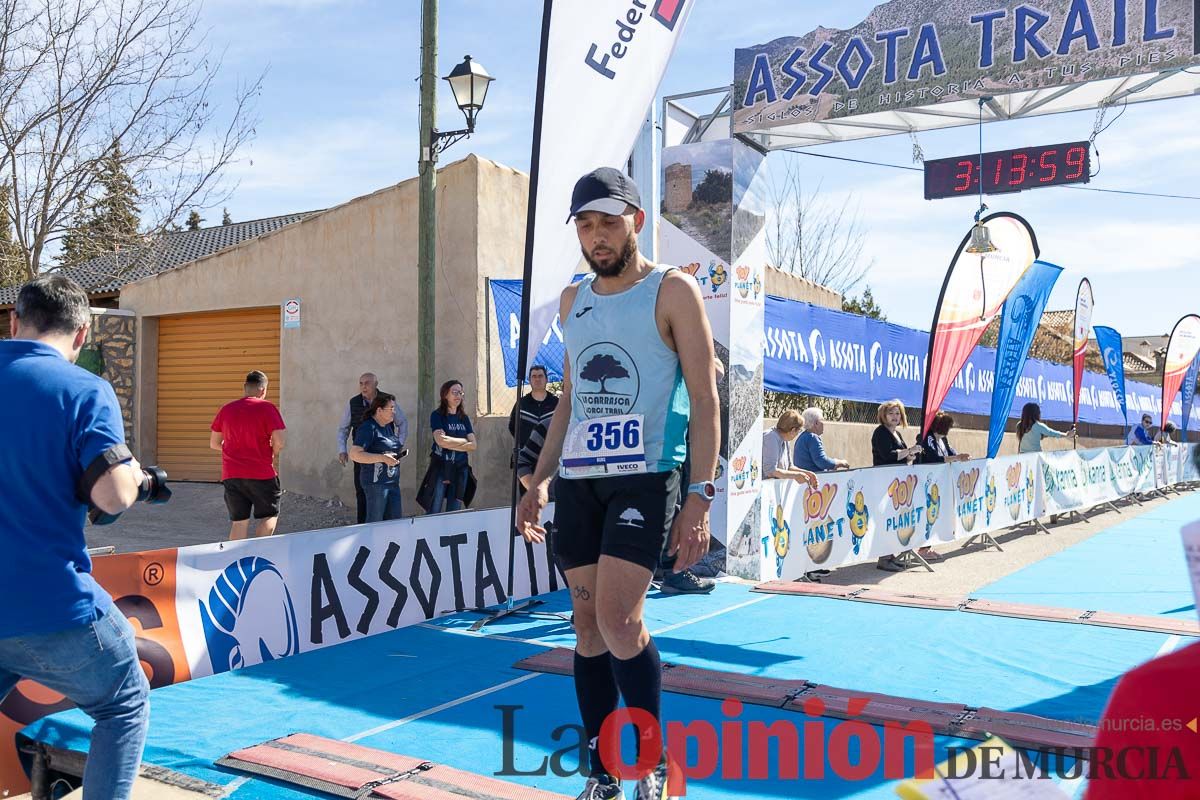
<point x="936" y="447"/>
<point x="453" y="439"/>
<point x="379" y="446"/>
<point x="888" y="448"/>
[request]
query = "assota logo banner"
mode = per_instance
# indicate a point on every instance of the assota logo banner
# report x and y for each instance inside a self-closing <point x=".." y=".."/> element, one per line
<point x="601" y="65"/>
<point x="1113" y="353"/>
<point x="1084" y="303"/>
<point x="976" y="286"/>
<point x="1182" y="349"/>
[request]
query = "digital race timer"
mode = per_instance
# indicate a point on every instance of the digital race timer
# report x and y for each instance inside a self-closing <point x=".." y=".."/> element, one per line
<point x="1009" y="170"/>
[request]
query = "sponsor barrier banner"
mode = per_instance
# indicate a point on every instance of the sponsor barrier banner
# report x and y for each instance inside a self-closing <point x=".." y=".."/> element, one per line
<point x="1018" y="325"/>
<point x="1084" y="304"/>
<point x="211" y="608"/>
<point x="857" y="516"/>
<point x="975" y="288"/>
<point x="1113" y="353"/>
<point x="1182" y="349"/>
<point x="908" y="54"/>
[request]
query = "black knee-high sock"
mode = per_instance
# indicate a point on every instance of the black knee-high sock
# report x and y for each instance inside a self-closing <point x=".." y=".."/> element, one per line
<point x="596" y="691"/>
<point x="640" y="681"/>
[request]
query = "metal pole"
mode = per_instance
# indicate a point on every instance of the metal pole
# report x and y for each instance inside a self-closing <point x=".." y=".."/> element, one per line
<point x="427" y="227"/>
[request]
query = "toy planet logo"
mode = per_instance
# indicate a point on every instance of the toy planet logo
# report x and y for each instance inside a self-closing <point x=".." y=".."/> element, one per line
<point x="1029" y="491"/>
<point x="1014" y="485"/>
<point x="989" y="497"/>
<point x="753" y="471"/>
<point x="819" y="529"/>
<point x="757" y="286"/>
<point x="857" y="514"/>
<point x="904" y="518"/>
<point x="968" y="503"/>
<point x="781" y="538"/>
<point x="717" y="275"/>
<point x="933" y="504"/>
<point x="740" y="473"/>
<point x="746" y="281"/>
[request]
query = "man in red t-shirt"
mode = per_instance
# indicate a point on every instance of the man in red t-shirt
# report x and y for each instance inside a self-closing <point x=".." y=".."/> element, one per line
<point x="250" y="433"/>
<point x="1148" y="736"/>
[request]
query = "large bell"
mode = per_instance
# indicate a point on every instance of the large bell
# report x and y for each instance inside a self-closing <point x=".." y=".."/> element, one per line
<point x="981" y="240"/>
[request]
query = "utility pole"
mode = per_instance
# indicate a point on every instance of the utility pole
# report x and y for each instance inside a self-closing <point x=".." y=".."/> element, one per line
<point x="427" y="229"/>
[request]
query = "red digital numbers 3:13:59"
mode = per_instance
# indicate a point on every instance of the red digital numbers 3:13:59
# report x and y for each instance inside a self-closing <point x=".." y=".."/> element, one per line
<point x="1008" y="170"/>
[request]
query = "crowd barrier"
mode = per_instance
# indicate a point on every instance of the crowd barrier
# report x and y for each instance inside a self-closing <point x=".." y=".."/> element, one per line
<point x="861" y="515"/>
<point x="211" y="608"/>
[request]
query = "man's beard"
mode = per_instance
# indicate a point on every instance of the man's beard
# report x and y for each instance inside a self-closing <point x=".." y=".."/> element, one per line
<point x="625" y="259"/>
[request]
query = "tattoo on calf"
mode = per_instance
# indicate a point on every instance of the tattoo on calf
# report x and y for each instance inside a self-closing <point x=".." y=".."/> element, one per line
<point x="582" y="593"/>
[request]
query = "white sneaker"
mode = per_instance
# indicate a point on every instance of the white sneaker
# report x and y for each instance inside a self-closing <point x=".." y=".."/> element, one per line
<point x="602" y="787"/>
<point x="653" y="786"/>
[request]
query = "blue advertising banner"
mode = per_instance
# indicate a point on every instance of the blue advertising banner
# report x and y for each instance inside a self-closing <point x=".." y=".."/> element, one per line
<point x="1188" y="393"/>
<point x="506" y="297"/>
<point x="1112" y="351"/>
<point x="1018" y="325"/>
<point x="819" y="351"/>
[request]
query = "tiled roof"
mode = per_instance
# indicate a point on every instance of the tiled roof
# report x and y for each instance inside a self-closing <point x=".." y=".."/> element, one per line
<point x="1135" y="363"/>
<point x="108" y="273"/>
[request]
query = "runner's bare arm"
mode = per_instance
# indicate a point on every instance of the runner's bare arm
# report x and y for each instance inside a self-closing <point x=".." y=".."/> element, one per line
<point x="690" y="335"/>
<point x="692" y="339"/>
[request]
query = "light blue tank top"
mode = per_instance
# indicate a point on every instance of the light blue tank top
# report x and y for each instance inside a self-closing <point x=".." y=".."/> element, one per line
<point x="620" y="365"/>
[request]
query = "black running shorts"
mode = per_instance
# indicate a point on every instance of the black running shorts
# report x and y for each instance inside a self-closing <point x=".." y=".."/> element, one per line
<point x="624" y="516"/>
<point x="245" y="494"/>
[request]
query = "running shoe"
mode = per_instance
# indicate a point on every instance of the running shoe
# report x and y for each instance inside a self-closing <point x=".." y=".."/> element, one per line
<point x="654" y="785"/>
<point x="686" y="582"/>
<point x="602" y="787"/>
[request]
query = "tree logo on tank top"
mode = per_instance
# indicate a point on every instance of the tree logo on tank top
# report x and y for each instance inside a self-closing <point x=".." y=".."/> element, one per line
<point x="608" y="382"/>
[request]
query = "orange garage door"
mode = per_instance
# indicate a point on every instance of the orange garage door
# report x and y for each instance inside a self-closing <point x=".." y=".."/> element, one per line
<point x="202" y="361"/>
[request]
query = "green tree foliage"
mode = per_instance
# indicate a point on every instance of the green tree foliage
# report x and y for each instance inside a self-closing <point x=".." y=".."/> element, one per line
<point x="109" y="222"/>
<point x="225" y="218"/>
<point x="193" y="220"/>
<point x="864" y="304"/>
<point x="717" y="187"/>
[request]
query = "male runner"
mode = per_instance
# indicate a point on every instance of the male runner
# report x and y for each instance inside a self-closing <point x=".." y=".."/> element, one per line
<point x="639" y="365"/>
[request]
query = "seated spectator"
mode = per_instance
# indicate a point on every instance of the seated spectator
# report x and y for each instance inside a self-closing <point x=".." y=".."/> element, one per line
<point x="777" y="459"/>
<point x="810" y="450"/>
<point x="936" y="448"/>
<point x="1167" y="434"/>
<point x="1140" y="434"/>
<point x="888" y="448"/>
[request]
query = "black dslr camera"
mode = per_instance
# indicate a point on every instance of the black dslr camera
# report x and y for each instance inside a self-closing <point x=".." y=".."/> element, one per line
<point x="152" y="489"/>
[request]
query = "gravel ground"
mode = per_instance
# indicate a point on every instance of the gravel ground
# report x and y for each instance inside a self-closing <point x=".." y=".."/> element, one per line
<point x="196" y="514"/>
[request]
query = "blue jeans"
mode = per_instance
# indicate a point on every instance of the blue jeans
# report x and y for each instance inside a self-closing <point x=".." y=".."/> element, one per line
<point x="383" y="501"/>
<point x="447" y="491"/>
<point x="96" y="666"/>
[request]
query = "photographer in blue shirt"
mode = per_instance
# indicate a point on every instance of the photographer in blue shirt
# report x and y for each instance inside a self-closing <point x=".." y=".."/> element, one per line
<point x="64" y="447"/>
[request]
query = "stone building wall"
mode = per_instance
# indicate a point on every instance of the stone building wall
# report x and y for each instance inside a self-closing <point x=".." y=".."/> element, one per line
<point x="678" y="195"/>
<point x="113" y="339"/>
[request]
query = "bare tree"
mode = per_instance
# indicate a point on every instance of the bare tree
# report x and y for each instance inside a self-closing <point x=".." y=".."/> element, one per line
<point x="77" y="76"/>
<point x="811" y="237"/>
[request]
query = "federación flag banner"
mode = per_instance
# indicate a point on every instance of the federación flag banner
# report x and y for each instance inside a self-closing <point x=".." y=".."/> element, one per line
<point x="1182" y="348"/>
<point x="601" y="64"/>
<point x="1022" y="313"/>
<point x="1084" y="303"/>
<point x="1188" y="393"/>
<point x="1113" y="353"/>
<point x="975" y="288"/>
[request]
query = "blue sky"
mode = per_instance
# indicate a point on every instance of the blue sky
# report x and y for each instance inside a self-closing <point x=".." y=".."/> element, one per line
<point x="339" y="119"/>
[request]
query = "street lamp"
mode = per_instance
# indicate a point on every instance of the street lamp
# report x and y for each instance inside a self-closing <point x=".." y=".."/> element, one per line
<point x="469" y="82"/>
